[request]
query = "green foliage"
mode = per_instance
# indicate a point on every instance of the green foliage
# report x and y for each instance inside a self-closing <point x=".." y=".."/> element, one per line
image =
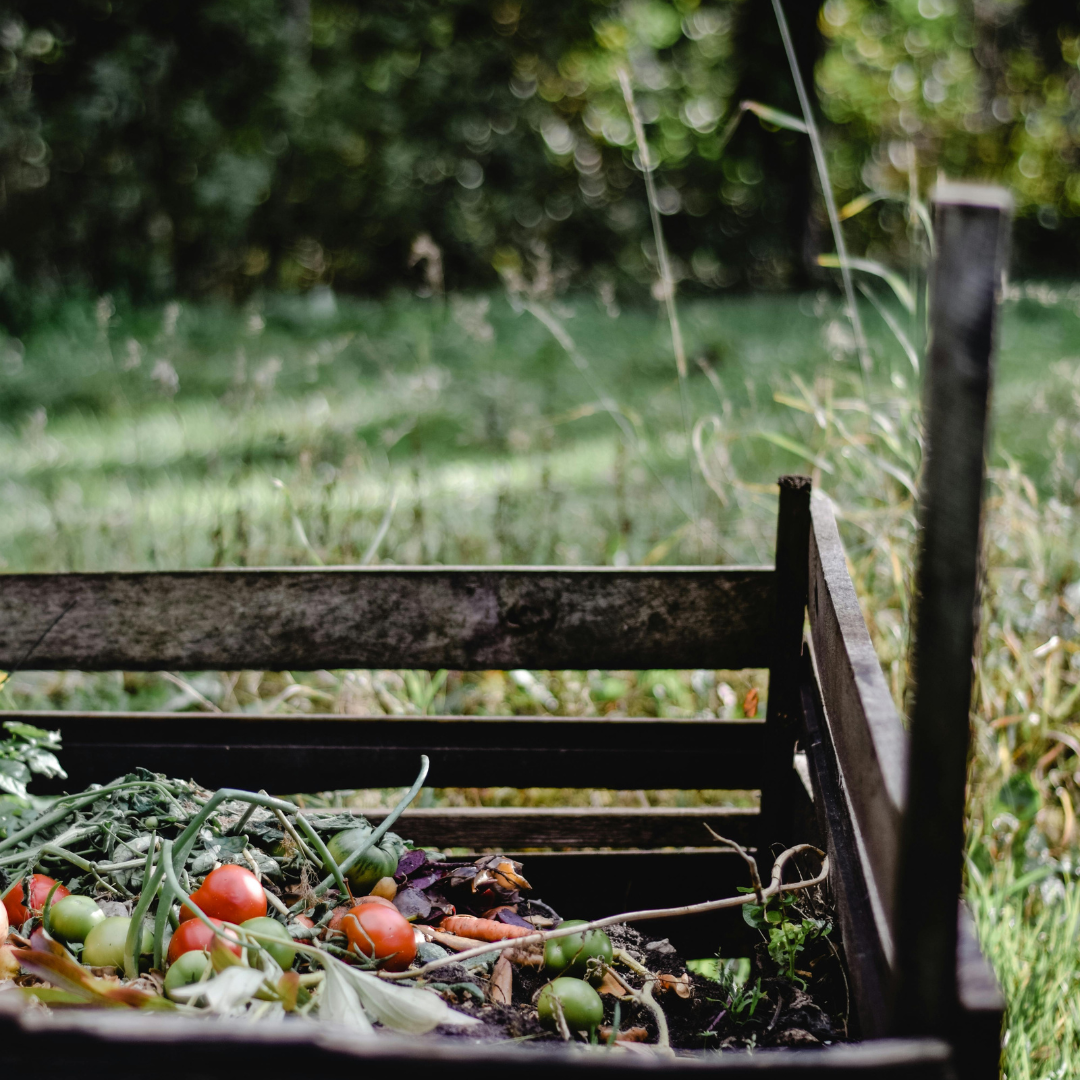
<point x="27" y="750"/>
<point x="788" y="936"/>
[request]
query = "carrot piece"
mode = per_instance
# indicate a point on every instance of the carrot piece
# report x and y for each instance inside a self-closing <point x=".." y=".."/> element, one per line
<point x="482" y="929"/>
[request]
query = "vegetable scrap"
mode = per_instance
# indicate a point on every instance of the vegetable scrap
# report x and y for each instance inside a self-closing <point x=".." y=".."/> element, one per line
<point x="154" y="893"/>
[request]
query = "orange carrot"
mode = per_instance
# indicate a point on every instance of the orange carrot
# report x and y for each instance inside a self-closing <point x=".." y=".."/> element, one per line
<point x="482" y="929"/>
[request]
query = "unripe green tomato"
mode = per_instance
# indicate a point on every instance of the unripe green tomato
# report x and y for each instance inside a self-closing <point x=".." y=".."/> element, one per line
<point x="581" y="1005"/>
<point x="571" y="955"/>
<point x="378" y="861"/>
<point x="283" y="954"/>
<point x="104" y="945"/>
<point x="185" y="970"/>
<point x="72" y="918"/>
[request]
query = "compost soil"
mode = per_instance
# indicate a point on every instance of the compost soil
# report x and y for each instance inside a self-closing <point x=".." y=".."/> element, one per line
<point x="786" y="1014"/>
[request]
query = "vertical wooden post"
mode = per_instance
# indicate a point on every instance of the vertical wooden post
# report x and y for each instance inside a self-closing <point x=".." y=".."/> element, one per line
<point x="972" y="225"/>
<point x="792" y="578"/>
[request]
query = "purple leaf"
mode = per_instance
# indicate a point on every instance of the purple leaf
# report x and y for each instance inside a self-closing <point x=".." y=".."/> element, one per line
<point x="410" y="861"/>
<point x="512" y="918"/>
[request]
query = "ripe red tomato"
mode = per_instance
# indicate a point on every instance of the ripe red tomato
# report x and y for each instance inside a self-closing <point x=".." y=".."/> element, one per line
<point x="231" y="893"/>
<point x="382" y="933"/>
<point x="194" y="935"/>
<point x="18" y="912"/>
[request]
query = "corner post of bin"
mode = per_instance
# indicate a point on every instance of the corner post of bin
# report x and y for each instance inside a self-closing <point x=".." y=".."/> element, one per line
<point x="780" y="792"/>
<point x="972" y="228"/>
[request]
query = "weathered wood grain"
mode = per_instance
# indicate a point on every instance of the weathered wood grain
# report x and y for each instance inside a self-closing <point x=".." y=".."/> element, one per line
<point x="860" y="932"/>
<point x="869" y="739"/>
<point x="322" y="753"/>
<point x="972" y="226"/>
<point x="792" y="545"/>
<point x="466" y="618"/>
<point x="480" y="827"/>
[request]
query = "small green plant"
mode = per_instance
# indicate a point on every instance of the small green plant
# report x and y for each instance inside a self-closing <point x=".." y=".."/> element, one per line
<point x="740" y="997"/>
<point x="788" y="936"/>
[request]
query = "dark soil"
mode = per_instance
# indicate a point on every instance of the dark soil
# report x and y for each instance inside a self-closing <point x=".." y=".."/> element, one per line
<point x="785" y="1014"/>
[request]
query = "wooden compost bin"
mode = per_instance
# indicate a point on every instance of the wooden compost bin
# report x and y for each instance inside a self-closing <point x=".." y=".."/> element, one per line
<point x="888" y="807"/>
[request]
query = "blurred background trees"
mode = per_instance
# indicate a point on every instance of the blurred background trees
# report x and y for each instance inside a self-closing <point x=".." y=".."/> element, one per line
<point x="156" y="148"/>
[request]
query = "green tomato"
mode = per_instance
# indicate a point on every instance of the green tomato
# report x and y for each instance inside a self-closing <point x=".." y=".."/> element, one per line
<point x="571" y="955"/>
<point x="73" y="917"/>
<point x="580" y="1003"/>
<point x="283" y="954"/>
<point x="105" y="943"/>
<point x="188" y="968"/>
<point x="380" y="861"/>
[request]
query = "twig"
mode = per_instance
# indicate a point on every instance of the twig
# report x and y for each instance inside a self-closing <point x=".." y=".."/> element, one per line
<point x="644" y="996"/>
<point x="775" y="887"/>
<point x="755" y="879"/>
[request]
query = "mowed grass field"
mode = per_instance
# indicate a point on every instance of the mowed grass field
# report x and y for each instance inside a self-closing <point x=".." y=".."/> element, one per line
<point x="311" y="430"/>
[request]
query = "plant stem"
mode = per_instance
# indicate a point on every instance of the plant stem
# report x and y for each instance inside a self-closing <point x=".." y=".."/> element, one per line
<point x="826" y="189"/>
<point x="775" y="887"/>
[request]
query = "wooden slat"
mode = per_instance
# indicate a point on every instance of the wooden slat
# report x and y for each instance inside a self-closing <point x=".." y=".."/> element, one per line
<point x="779" y="796"/>
<point x="321" y="753"/>
<point x="870" y="742"/>
<point x="120" y="1042"/>
<point x="982" y="1007"/>
<point x="466" y="618"/>
<point x="480" y="827"/>
<point x="867" y="965"/>
<point x="972" y="224"/>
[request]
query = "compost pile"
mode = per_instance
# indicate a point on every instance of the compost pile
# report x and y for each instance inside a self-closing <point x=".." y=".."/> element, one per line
<point x="154" y="893"/>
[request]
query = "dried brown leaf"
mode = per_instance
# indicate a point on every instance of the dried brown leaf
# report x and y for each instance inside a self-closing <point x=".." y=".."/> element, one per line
<point x="680" y="984"/>
<point x="610" y="985"/>
<point x="501" y="984"/>
<point x="627" y="1035"/>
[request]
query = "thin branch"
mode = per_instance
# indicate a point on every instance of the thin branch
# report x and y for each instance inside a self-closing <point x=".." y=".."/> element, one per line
<point x="775" y="887"/>
<point x="750" y="861"/>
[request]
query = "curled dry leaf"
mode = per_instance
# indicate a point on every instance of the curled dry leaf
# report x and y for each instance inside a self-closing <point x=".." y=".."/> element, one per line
<point x="610" y="985"/>
<point x="750" y="703"/>
<point x="501" y="984"/>
<point x="627" y="1035"/>
<point x="498" y="871"/>
<point x="680" y="984"/>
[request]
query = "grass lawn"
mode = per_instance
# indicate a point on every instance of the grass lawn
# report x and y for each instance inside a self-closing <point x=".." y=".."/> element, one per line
<point x="302" y="430"/>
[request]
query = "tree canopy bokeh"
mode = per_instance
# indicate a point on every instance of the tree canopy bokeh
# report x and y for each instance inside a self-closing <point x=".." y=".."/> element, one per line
<point x="158" y="147"/>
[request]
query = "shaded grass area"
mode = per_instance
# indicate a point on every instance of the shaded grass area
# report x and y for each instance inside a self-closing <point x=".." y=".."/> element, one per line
<point x="418" y="432"/>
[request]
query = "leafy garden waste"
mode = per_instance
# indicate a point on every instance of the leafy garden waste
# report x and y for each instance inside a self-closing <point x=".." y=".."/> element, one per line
<point x="154" y="893"/>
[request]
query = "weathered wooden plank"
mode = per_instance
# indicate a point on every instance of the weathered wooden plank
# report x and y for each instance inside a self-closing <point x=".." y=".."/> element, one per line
<point x="982" y="1007"/>
<point x="501" y="827"/>
<point x="870" y="742"/>
<point x="119" y="1042"/>
<point x="868" y="967"/>
<point x="465" y="618"/>
<point x="972" y="224"/>
<point x="321" y="753"/>
<point x="792" y="545"/>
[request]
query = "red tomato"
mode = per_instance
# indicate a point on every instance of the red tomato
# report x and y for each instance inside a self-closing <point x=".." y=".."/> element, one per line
<point x="381" y="932"/>
<point x="230" y="893"/>
<point x="194" y="935"/>
<point x="40" y="885"/>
